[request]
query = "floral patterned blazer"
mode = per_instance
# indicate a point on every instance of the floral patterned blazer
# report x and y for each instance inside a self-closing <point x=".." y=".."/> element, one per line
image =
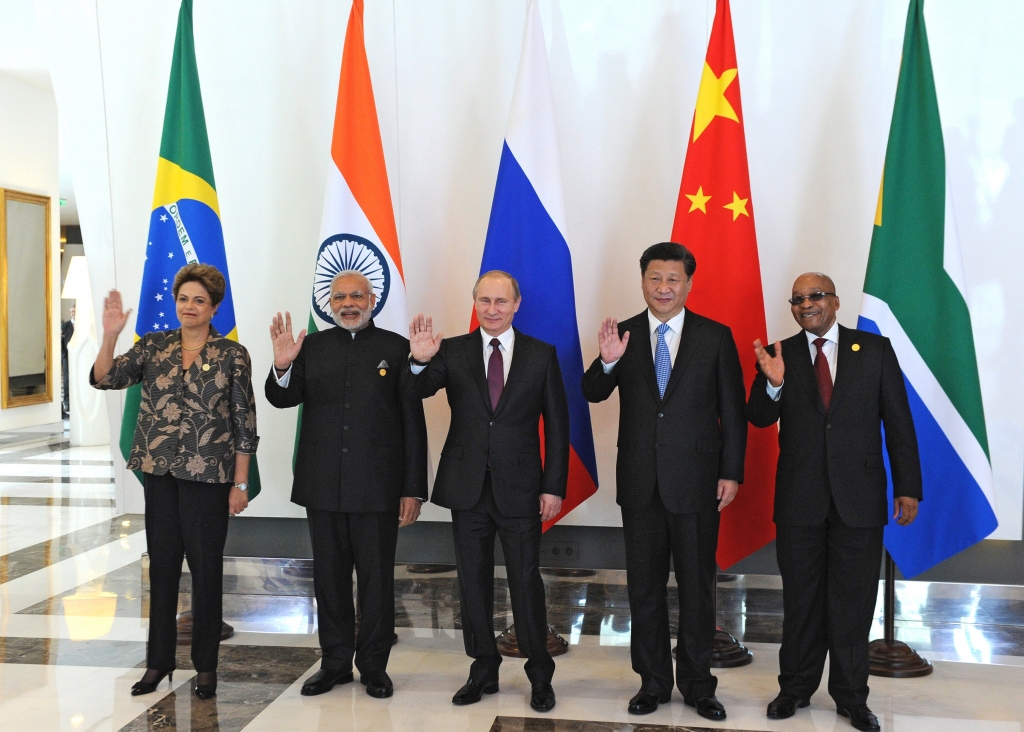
<point x="191" y="422"/>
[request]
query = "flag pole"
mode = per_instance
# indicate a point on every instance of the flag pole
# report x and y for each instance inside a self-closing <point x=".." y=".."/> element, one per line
<point x="888" y="656"/>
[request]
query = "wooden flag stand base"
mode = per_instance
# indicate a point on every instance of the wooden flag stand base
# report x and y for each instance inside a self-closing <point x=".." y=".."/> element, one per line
<point x="727" y="652"/>
<point x="509" y="646"/>
<point x="185" y="629"/>
<point x="890" y="657"/>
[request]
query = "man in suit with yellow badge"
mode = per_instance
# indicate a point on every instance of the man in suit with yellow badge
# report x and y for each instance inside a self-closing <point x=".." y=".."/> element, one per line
<point x="360" y="472"/>
<point x="831" y="389"/>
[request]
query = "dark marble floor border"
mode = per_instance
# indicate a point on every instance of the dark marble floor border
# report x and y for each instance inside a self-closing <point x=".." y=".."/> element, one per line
<point x="249" y="678"/>
<point x="33" y="558"/>
<point x="546" y="724"/>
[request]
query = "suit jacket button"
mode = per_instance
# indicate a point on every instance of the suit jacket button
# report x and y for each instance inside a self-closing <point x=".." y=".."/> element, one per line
<point x="828" y="426"/>
<point x="344" y="449"/>
<point x="492" y="424"/>
<point x="345" y="427"/>
<point x="660" y="415"/>
<point x="346" y="405"/>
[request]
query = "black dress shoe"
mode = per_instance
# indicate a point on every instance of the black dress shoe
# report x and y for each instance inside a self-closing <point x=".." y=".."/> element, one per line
<point x="542" y="697"/>
<point x="471" y="692"/>
<point x="206" y="684"/>
<point x="150" y="680"/>
<point x="324" y="680"/>
<point x="708" y="707"/>
<point x="860" y="717"/>
<point x="785" y="705"/>
<point x="378" y="684"/>
<point x="645" y="703"/>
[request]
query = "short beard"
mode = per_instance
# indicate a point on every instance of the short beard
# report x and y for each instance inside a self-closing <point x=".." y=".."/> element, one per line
<point x="336" y="317"/>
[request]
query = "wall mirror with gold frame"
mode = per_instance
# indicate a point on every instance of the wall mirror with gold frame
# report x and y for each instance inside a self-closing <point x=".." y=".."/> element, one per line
<point x="26" y="376"/>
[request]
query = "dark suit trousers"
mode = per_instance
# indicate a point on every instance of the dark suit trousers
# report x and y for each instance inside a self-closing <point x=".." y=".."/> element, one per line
<point x="190" y="519"/>
<point x="367" y="542"/>
<point x="829" y="587"/>
<point x="474" y="554"/>
<point x="653" y="535"/>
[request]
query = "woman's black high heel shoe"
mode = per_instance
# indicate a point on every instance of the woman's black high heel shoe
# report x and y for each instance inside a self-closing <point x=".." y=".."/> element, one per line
<point x="206" y="690"/>
<point x="150" y="680"/>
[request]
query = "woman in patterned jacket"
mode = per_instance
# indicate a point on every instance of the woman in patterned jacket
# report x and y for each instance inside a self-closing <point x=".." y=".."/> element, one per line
<point x="194" y="438"/>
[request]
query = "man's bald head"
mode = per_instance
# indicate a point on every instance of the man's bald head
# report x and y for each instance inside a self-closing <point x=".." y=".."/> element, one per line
<point x="819" y="314"/>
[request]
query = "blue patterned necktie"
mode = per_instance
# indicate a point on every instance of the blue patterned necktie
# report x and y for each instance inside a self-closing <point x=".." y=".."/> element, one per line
<point x="662" y="360"/>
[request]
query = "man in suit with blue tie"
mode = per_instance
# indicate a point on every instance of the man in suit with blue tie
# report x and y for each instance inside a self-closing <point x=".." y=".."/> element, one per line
<point x="682" y="441"/>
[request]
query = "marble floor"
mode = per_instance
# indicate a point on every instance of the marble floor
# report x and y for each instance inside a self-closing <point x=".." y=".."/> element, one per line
<point x="74" y="601"/>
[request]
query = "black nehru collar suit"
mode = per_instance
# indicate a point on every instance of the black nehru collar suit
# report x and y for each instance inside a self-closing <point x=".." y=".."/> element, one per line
<point x="672" y="453"/>
<point x="491" y="477"/>
<point x="362" y="446"/>
<point x="831" y="504"/>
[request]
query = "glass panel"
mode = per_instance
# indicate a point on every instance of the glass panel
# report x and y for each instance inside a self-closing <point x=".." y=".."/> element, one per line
<point x="26" y="298"/>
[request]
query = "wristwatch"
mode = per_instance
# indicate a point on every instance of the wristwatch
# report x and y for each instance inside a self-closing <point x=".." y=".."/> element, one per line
<point x="242" y="487"/>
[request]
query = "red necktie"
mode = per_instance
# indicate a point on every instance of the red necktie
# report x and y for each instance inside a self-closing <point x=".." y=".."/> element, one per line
<point x="496" y="373"/>
<point x="822" y="373"/>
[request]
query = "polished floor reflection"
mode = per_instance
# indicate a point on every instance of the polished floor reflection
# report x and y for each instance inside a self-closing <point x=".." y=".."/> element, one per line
<point x="74" y="601"/>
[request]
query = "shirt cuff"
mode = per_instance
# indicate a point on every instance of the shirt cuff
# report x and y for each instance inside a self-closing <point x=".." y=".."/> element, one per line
<point x="416" y="368"/>
<point x="607" y="367"/>
<point x="283" y="381"/>
<point x="775" y="391"/>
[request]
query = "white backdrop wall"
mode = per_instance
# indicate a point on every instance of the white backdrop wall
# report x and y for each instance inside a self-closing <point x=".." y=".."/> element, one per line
<point x="28" y="162"/>
<point x="818" y="81"/>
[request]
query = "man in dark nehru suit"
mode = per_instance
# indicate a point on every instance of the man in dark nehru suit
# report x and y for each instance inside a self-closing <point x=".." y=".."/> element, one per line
<point x="831" y="389"/>
<point x="682" y="441"/>
<point x="499" y="382"/>
<point x="360" y="472"/>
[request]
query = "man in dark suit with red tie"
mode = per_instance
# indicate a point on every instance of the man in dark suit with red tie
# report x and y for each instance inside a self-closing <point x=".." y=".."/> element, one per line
<point x="681" y="447"/>
<point x="500" y="383"/>
<point x="830" y="492"/>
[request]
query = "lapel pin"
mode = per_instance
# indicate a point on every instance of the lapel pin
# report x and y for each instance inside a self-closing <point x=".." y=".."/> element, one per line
<point x="206" y="367"/>
<point x="855" y="347"/>
<point x="383" y="366"/>
<point x="383" y="372"/>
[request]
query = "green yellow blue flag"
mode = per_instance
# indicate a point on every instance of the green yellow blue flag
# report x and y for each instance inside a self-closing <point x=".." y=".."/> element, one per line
<point x="915" y="295"/>
<point x="184" y="226"/>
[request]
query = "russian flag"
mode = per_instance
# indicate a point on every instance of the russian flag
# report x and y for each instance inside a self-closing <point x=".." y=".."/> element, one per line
<point x="526" y="236"/>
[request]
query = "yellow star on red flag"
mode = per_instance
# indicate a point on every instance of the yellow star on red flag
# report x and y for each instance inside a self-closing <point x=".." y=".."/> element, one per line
<point x="698" y="201"/>
<point x="738" y="206"/>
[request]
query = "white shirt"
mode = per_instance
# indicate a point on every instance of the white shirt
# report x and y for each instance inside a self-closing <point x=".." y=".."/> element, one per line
<point x="284" y="380"/>
<point x="830" y="350"/>
<point x="507" y="344"/>
<point x="672" y="336"/>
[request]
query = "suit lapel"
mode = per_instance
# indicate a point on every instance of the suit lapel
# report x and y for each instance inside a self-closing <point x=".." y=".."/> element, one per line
<point x="521" y="350"/>
<point x="804" y="369"/>
<point x="474" y="353"/>
<point x="640" y="337"/>
<point x="847" y="362"/>
<point x="688" y="341"/>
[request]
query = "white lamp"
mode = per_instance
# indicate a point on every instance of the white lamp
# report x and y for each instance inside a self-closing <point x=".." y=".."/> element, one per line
<point x="88" y="409"/>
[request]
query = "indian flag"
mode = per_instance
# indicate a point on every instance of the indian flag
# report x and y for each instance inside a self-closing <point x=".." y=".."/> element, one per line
<point x="357" y="230"/>
<point x="914" y="294"/>
<point x="184" y="225"/>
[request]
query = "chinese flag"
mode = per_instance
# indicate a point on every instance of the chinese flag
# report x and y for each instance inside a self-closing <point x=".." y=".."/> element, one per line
<point x="715" y="220"/>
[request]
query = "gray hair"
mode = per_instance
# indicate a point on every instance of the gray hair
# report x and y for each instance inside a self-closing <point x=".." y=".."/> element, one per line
<point x="498" y="273"/>
<point x="353" y="273"/>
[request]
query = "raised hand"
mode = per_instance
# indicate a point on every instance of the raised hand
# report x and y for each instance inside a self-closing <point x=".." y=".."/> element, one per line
<point x="772" y="367"/>
<point x="286" y="346"/>
<point x="114" y="318"/>
<point x="423" y="344"/>
<point x="612" y="347"/>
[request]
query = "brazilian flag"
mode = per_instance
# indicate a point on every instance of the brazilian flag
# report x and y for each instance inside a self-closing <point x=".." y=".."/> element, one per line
<point x="184" y="226"/>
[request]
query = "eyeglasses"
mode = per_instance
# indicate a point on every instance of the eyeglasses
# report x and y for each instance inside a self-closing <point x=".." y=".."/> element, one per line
<point x="813" y="297"/>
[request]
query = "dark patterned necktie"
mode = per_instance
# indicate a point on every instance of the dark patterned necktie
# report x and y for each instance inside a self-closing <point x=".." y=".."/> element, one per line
<point x="496" y="373"/>
<point x="821" y="371"/>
